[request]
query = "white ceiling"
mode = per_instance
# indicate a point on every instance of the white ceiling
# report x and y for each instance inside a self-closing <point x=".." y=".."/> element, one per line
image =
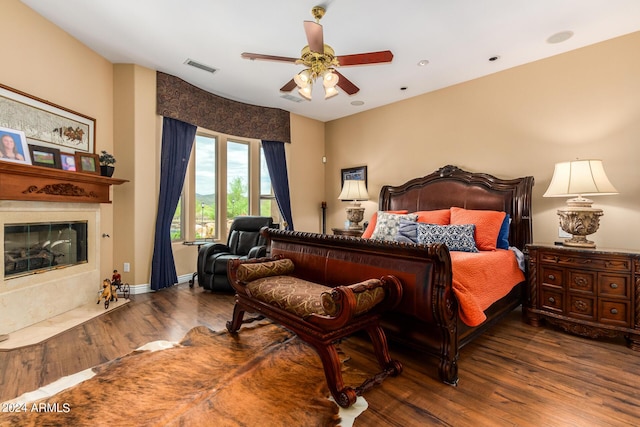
<point x="457" y="37"/>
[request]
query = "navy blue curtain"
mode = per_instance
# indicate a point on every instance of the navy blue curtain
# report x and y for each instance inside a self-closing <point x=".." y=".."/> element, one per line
<point x="177" y="141"/>
<point x="277" y="165"/>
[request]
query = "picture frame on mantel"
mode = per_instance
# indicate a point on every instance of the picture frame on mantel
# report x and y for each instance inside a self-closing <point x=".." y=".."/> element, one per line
<point x="13" y="146"/>
<point x="88" y="163"/>
<point x="45" y="123"/>
<point x="45" y="156"/>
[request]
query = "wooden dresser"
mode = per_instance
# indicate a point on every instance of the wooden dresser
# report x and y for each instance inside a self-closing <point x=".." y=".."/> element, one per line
<point x="589" y="292"/>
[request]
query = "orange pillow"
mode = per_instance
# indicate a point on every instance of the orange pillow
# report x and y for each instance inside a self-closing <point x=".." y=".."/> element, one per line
<point x="372" y="223"/>
<point x="487" y="223"/>
<point x="439" y="217"/>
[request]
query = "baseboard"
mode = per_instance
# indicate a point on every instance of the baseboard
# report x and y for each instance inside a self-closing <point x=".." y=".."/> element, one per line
<point x="146" y="288"/>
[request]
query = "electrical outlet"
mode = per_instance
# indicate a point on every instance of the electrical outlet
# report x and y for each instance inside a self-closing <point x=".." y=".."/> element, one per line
<point x="127" y="267"/>
<point x="563" y="234"/>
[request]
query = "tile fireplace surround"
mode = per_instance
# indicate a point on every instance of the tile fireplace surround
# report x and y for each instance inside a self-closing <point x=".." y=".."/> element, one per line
<point x="32" y="298"/>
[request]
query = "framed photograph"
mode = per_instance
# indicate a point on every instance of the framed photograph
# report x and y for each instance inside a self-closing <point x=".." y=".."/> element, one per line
<point x="88" y="163"/>
<point x="68" y="162"/>
<point x="45" y="156"/>
<point x="13" y="146"/>
<point x="358" y="174"/>
<point x="45" y="123"/>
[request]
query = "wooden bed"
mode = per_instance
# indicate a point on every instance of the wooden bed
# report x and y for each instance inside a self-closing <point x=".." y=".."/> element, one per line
<point x="446" y="187"/>
<point x="428" y="316"/>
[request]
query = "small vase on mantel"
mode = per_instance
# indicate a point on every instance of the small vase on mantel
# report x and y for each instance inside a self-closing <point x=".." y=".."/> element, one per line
<point x="106" y="164"/>
<point x="106" y="170"/>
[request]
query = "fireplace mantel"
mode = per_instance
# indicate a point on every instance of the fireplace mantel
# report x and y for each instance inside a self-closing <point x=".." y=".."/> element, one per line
<point x="41" y="184"/>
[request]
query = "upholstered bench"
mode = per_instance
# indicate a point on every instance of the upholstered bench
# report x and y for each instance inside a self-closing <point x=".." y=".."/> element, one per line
<point x="320" y="315"/>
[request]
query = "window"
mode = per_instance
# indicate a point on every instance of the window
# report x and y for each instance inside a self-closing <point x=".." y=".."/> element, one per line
<point x="268" y="204"/>
<point x="226" y="177"/>
<point x="205" y="206"/>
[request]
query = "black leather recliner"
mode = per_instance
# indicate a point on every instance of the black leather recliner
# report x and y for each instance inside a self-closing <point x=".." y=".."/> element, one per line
<point x="244" y="242"/>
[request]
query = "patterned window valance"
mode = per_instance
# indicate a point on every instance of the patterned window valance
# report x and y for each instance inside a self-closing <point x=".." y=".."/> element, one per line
<point x="180" y="100"/>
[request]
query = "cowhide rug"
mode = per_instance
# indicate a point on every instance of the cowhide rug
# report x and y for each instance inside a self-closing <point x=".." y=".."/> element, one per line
<point x="263" y="376"/>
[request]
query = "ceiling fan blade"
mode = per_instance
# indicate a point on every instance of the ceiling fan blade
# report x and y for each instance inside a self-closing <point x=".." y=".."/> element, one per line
<point x="346" y="85"/>
<point x="365" y="58"/>
<point x="314" y="36"/>
<point x="252" y="56"/>
<point x="291" y="85"/>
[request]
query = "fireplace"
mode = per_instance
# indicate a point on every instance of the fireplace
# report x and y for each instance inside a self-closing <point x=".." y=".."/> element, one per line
<point x="36" y="247"/>
<point x="52" y="260"/>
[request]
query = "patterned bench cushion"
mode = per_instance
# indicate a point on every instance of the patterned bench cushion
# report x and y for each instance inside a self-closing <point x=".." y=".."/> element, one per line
<point x="303" y="298"/>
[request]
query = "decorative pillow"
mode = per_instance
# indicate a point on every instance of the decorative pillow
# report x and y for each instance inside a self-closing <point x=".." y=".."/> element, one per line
<point x="407" y="231"/>
<point x="387" y="225"/>
<point x="503" y="236"/>
<point x="456" y="237"/>
<point x="487" y="224"/>
<point x="439" y="216"/>
<point x="253" y="271"/>
<point x="372" y="223"/>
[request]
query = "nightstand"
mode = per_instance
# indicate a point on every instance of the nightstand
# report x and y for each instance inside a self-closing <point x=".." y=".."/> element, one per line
<point x="589" y="292"/>
<point x="347" y="232"/>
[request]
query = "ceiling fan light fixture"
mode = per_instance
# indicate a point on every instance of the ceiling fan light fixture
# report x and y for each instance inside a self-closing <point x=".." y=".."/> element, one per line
<point x="303" y="78"/>
<point x="329" y="79"/>
<point x="330" y="92"/>
<point x="305" y="91"/>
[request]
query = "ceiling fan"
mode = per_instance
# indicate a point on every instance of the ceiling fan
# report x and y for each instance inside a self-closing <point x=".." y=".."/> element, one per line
<point x="320" y="61"/>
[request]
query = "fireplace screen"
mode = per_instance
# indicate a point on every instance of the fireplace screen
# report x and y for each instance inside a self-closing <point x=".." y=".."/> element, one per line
<point x="30" y="248"/>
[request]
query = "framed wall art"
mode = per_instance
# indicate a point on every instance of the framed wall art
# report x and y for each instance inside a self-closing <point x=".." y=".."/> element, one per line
<point x="46" y="124"/>
<point x="88" y="163"/>
<point x="357" y="174"/>
<point x="45" y="156"/>
<point x="13" y="146"/>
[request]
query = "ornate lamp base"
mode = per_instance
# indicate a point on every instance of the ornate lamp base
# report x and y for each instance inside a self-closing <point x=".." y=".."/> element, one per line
<point x="355" y="214"/>
<point x="580" y="220"/>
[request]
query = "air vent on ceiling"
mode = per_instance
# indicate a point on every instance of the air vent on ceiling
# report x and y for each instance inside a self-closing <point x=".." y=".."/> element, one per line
<point x="203" y="67"/>
<point x="292" y="98"/>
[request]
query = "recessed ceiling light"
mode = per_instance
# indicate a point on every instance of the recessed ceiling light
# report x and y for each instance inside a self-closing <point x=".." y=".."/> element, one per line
<point x="423" y="63"/>
<point x="560" y="37"/>
<point x="357" y="103"/>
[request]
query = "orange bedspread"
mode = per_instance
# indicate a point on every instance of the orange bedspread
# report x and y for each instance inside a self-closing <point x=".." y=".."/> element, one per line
<point x="480" y="279"/>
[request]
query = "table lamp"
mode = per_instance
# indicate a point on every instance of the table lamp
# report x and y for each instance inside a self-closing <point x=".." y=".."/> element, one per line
<point x="354" y="190"/>
<point x="576" y="179"/>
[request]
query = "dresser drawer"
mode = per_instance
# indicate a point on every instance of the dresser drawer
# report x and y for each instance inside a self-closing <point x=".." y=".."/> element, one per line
<point x="583" y="281"/>
<point x="581" y="306"/>
<point x="613" y="285"/>
<point x="591" y="261"/>
<point x="551" y="276"/>
<point x="551" y="299"/>
<point x="614" y="312"/>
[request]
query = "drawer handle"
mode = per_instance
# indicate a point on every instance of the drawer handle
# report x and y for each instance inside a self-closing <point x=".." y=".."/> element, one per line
<point x="552" y="300"/>
<point x="613" y="285"/>
<point x="552" y="277"/>
<point x="614" y="311"/>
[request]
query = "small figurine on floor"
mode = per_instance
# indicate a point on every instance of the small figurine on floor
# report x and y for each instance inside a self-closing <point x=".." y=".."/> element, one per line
<point x="108" y="293"/>
<point x="116" y="279"/>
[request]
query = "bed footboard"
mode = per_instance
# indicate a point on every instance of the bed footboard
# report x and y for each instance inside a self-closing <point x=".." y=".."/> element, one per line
<point x="428" y="302"/>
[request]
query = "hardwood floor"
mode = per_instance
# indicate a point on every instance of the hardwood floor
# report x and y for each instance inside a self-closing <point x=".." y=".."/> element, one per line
<point x="515" y="375"/>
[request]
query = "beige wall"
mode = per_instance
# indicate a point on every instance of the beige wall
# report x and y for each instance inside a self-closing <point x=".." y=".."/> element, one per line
<point x="517" y="122"/>
<point x="582" y="104"/>
<point x="45" y="62"/>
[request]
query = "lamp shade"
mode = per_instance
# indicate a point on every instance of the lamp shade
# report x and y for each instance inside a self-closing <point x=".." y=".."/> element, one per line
<point x="353" y="190"/>
<point x="579" y="178"/>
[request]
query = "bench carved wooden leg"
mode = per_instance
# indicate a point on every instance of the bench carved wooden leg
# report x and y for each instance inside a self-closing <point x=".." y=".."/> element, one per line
<point x="236" y="321"/>
<point x="344" y="396"/>
<point x="381" y="350"/>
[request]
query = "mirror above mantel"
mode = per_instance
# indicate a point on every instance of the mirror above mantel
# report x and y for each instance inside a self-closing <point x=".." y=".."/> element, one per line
<point x="41" y="184"/>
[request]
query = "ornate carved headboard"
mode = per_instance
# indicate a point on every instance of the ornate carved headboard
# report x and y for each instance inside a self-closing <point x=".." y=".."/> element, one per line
<point x="451" y="186"/>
